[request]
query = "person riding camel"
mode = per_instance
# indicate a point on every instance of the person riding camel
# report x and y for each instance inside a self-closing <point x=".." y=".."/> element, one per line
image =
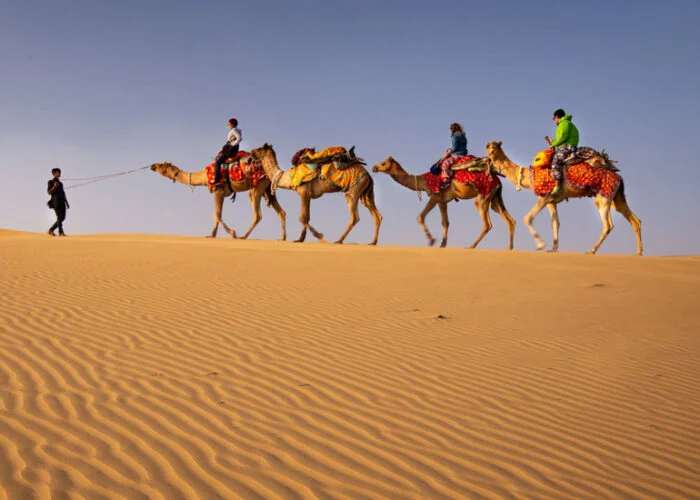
<point x="564" y="144"/>
<point x="458" y="149"/>
<point x="230" y="149"/>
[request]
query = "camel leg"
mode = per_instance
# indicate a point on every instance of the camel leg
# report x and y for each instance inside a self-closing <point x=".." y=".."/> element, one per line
<point x="554" y="213"/>
<point x="620" y="204"/>
<point x="482" y="206"/>
<point x="421" y="218"/>
<point x="218" y="209"/>
<point x="603" y="206"/>
<point x="499" y="207"/>
<point x="541" y="203"/>
<point x="445" y="222"/>
<point x="352" y="201"/>
<point x="281" y="214"/>
<point x="255" y="196"/>
<point x="368" y="202"/>
<point x="305" y="217"/>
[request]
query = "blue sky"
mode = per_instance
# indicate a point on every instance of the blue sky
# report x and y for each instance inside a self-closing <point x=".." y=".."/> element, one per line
<point x="101" y="87"/>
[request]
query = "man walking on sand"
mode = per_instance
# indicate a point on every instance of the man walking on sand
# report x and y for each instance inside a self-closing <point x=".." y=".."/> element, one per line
<point x="58" y="202"/>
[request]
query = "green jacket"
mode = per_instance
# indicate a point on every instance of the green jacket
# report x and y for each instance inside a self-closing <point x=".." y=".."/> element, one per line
<point x="567" y="133"/>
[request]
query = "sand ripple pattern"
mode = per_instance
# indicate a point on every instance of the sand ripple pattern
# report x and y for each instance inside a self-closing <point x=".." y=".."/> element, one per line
<point x="146" y="367"/>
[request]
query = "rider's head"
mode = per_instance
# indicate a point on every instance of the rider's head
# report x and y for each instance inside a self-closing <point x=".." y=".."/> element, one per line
<point x="56" y="172"/>
<point x="558" y="115"/>
<point x="232" y="123"/>
<point x="456" y="128"/>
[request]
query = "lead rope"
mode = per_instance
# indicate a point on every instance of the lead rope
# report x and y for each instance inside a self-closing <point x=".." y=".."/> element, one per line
<point x="98" y="178"/>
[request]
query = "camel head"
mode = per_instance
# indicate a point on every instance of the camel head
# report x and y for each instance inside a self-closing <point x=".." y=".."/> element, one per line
<point x="388" y="166"/>
<point x="494" y="150"/>
<point x="264" y="151"/>
<point x="166" y="169"/>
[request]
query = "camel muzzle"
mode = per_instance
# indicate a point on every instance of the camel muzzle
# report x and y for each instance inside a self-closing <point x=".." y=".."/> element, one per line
<point x="375" y="168"/>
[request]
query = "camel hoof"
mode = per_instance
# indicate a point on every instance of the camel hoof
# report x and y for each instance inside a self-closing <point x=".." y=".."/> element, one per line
<point x="298" y="241"/>
<point x="373" y="243"/>
<point x="553" y="250"/>
<point x="339" y="242"/>
<point x="540" y="246"/>
<point x="591" y="252"/>
<point x="431" y="242"/>
<point x="210" y="236"/>
<point x="639" y="254"/>
<point x="443" y="244"/>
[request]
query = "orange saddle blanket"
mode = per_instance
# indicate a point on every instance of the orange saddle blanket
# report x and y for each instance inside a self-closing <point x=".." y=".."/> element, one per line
<point x="579" y="176"/>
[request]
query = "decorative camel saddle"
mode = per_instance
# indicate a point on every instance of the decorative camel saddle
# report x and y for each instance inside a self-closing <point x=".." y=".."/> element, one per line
<point x="338" y="155"/>
<point x="335" y="165"/>
<point x="240" y="168"/>
<point x="467" y="169"/>
<point x="596" y="159"/>
<point x="588" y="170"/>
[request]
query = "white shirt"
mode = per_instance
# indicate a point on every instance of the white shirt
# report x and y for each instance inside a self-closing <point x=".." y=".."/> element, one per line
<point x="235" y="136"/>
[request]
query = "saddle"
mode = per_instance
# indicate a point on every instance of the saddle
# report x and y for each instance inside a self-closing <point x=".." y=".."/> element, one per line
<point x="473" y="164"/>
<point x="584" y="154"/>
<point x="241" y="158"/>
<point x="338" y="155"/>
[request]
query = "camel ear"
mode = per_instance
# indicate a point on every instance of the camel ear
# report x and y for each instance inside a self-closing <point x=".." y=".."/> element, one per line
<point x="500" y="143"/>
<point x="391" y="158"/>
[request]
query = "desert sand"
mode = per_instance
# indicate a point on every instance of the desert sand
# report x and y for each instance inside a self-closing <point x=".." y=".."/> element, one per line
<point x="160" y="367"/>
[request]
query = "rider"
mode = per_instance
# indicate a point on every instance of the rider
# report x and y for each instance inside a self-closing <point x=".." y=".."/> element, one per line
<point x="458" y="149"/>
<point x="564" y="144"/>
<point x="230" y="149"/>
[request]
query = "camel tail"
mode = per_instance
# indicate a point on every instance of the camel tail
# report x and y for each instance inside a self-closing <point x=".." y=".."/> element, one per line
<point x="368" y="195"/>
<point x="269" y="197"/>
<point x="620" y="194"/>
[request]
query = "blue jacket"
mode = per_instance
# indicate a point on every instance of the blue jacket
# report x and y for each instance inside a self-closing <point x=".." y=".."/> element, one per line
<point x="459" y="144"/>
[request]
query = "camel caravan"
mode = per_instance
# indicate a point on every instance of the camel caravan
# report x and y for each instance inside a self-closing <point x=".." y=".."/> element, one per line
<point x="561" y="172"/>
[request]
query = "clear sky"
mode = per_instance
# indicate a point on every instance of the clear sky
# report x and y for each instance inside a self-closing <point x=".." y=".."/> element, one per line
<point x="96" y="87"/>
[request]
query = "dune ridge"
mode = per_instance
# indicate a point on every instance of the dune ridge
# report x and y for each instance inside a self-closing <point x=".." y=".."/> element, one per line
<point x="146" y="366"/>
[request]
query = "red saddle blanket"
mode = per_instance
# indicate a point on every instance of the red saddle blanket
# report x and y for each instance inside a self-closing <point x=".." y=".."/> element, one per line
<point x="579" y="176"/>
<point x="239" y="168"/>
<point x="484" y="183"/>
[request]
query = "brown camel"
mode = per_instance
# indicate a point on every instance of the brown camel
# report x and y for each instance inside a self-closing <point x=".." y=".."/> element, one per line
<point x="457" y="191"/>
<point x="520" y="176"/>
<point x="362" y="191"/>
<point x="223" y="191"/>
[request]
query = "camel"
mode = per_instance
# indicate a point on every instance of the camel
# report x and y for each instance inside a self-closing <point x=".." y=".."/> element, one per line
<point x="457" y="191"/>
<point x="520" y="177"/>
<point x="362" y="191"/>
<point x="224" y="190"/>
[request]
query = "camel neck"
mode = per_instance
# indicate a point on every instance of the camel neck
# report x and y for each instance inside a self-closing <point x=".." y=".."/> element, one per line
<point x="192" y="178"/>
<point x="412" y="182"/>
<point x="513" y="172"/>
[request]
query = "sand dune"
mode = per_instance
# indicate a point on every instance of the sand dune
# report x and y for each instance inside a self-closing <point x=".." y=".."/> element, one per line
<point x="138" y="366"/>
